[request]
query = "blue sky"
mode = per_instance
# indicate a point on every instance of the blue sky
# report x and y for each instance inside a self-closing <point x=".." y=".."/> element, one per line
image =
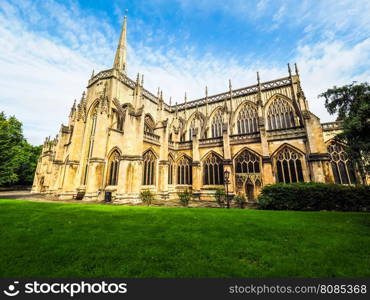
<point x="49" y="48"/>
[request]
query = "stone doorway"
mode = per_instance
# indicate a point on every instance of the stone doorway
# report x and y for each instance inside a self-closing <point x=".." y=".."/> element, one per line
<point x="249" y="191"/>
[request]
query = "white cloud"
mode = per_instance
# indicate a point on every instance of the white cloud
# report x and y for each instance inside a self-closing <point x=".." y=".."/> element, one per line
<point x="43" y="70"/>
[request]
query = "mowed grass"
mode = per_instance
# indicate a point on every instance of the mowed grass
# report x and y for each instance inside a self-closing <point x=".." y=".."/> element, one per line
<point x="80" y="240"/>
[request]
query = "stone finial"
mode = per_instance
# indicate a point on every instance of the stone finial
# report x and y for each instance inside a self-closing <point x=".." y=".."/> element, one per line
<point x="170" y="100"/>
<point x="142" y="79"/>
<point x="138" y="79"/>
<point x="93" y="73"/>
<point x="296" y="69"/>
<point x="258" y="77"/>
<point x="289" y="70"/>
<point x="230" y="86"/>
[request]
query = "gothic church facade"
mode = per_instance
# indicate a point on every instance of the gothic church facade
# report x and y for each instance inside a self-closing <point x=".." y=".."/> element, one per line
<point x="121" y="139"/>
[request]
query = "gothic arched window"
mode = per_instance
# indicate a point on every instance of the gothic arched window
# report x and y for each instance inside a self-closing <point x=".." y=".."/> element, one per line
<point x="119" y="120"/>
<point x="191" y="129"/>
<point x="213" y="170"/>
<point x="113" y="165"/>
<point x="280" y="115"/>
<point x="149" y="168"/>
<point x="149" y="124"/>
<point x="247" y="121"/>
<point x="289" y="166"/>
<point x="171" y="168"/>
<point x="216" y="126"/>
<point x="247" y="162"/>
<point x="342" y="167"/>
<point x="184" y="172"/>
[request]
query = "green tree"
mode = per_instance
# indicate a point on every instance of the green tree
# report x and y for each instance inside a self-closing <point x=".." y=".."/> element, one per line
<point x="18" y="159"/>
<point x="351" y="103"/>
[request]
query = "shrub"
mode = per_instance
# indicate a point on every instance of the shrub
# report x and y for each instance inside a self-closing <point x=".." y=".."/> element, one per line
<point x="147" y="197"/>
<point x="315" y="196"/>
<point x="239" y="200"/>
<point x="184" y="196"/>
<point x="220" y="196"/>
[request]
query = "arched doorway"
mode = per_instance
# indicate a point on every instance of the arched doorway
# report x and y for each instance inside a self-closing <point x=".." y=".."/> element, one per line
<point x="249" y="190"/>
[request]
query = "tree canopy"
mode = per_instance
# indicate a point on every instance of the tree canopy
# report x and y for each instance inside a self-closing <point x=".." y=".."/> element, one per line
<point x="351" y="103"/>
<point x="18" y="159"/>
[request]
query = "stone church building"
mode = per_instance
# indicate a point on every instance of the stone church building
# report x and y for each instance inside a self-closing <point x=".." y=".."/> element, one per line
<point x="122" y="139"/>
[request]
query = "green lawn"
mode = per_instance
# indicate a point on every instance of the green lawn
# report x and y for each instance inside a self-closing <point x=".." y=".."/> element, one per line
<point x="79" y="240"/>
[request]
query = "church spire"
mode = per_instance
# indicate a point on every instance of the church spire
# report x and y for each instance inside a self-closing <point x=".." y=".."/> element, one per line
<point x="120" y="58"/>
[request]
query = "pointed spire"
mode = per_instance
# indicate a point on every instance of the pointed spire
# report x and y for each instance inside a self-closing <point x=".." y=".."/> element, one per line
<point x="142" y="80"/>
<point x="120" y="58"/>
<point x="93" y="73"/>
<point x="177" y="109"/>
<point x="296" y="69"/>
<point x="161" y="96"/>
<point x="138" y="79"/>
<point x="258" y="77"/>
<point x="289" y="70"/>
<point x="170" y="100"/>
<point x="230" y="86"/>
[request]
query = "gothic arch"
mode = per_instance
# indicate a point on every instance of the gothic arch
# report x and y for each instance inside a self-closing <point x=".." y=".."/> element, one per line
<point x="150" y="149"/>
<point x="280" y="113"/>
<point x="149" y="123"/>
<point x="209" y="153"/>
<point x="245" y="118"/>
<point x="289" y="146"/>
<point x="341" y="166"/>
<point x="212" y="169"/>
<point x="93" y="106"/>
<point x="184" y="169"/>
<point x="189" y="126"/>
<point x="288" y="162"/>
<point x="181" y="156"/>
<point x="248" y="149"/>
<point x="113" y="167"/>
<point x="149" y="167"/>
<point x="275" y="97"/>
<point x="216" y="121"/>
<point x="115" y="148"/>
<point x="171" y="168"/>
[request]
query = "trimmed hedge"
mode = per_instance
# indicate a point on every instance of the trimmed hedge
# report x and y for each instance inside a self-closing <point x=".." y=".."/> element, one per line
<point x="315" y="196"/>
